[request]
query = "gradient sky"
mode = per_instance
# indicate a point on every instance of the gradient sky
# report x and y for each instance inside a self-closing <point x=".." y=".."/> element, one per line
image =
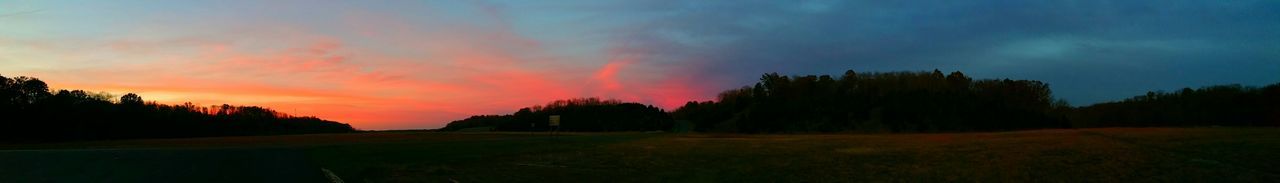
<point x="420" y="64"/>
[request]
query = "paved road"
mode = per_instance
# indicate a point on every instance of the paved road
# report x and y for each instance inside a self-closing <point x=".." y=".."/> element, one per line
<point x="158" y="165"/>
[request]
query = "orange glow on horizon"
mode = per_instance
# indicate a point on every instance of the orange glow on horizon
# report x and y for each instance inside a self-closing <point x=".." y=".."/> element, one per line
<point x="388" y="75"/>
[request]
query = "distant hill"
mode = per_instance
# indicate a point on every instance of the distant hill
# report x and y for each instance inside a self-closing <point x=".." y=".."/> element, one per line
<point x="581" y="115"/>
<point x="29" y="112"/>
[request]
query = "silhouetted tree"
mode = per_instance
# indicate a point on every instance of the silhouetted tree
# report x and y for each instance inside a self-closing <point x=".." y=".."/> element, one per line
<point x="23" y="90"/>
<point x="934" y="102"/>
<point x="29" y="112"/>
<point x="891" y="102"/>
<point x="1222" y="105"/>
<point x="582" y="114"/>
<point x="131" y="99"/>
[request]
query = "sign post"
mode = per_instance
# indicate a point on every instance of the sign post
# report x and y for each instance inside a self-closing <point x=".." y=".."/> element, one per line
<point x="553" y="124"/>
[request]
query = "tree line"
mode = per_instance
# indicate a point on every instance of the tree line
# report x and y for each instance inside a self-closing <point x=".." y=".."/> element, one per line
<point x="1221" y="105"/>
<point x="893" y="102"/>
<point x="937" y="102"/>
<point x="879" y="102"/>
<point x="582" y="114"/>
<point x="29" y="111"/>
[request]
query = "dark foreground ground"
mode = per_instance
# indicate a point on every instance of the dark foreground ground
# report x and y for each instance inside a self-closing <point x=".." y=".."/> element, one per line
<point x="1091" y="155"/>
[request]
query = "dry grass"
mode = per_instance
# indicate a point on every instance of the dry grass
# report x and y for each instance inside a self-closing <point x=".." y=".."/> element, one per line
<point x="1089" y="155"/>
<point x="1109" y="155"/>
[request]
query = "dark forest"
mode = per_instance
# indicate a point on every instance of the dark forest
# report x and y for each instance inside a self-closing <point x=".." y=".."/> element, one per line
<point x="30" y="112"/>
<point x="585" y="114"/>
<point x="898" y="102"/>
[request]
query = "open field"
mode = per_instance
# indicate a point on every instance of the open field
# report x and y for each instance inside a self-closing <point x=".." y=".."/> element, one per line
<point x="1089" y="155"/>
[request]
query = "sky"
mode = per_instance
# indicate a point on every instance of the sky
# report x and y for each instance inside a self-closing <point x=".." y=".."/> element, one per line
<point x="420" y="64"/>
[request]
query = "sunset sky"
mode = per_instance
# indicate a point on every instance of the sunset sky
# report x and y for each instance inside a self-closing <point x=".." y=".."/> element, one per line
<point x="420" y="64"/>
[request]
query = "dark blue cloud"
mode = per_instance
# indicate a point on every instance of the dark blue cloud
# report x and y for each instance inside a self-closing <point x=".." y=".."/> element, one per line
<point x="1089" y="51"/>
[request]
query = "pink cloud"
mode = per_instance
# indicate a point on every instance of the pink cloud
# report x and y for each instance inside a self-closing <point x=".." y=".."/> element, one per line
<point x="383" y="73"/>
<point x="607" y="76"/>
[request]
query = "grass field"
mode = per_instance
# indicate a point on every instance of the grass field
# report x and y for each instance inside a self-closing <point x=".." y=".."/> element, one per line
<point x="1089" y="155"/>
